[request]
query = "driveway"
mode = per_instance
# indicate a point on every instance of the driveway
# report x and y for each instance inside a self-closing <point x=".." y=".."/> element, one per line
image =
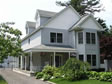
<point x="15" y="78"/>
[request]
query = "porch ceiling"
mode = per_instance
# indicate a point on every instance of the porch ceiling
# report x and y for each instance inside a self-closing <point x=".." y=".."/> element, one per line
<point x="51" y="48"/>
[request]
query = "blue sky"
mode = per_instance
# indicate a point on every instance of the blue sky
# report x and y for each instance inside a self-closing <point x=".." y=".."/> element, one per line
<point x="20" y="11"/>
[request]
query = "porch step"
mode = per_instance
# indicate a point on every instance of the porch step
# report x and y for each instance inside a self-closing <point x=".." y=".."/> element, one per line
<point x="27" y="73"/>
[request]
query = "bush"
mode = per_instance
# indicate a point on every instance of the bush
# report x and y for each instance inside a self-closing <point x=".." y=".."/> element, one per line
<point x="74" y="69"/>
<point x="102" y="76"/>
<point x="49" y="70"/>
<point x="46" y="77"/>
<point x="93" y="75"/>
<point x="106" y="76"/>
<point x="39" y="75"/>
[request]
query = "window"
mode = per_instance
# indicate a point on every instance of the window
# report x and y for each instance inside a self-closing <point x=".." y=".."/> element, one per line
<point x="80" y="37"/>
<point x="59" y="37"/>
<point x="91" y="59"/>
<point x="93" y="38"/>
<point x="56" y="37"/>
<point x="90" y="38"/>
<point x="81" y="57"/>
<point x="53" y="37"/>
<point x="28" y="41"/>
<point x="94" y="60"/>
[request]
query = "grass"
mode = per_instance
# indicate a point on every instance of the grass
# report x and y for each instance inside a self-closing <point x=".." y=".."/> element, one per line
<point x="2" y="81"/>
<point x="63" y="81"/>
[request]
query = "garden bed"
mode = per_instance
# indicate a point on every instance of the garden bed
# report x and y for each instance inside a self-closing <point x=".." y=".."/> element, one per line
<point x="63" y="81"/>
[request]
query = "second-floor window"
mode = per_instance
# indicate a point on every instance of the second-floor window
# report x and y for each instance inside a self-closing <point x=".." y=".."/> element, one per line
<point x="56" y="37"/>
<point x="80" y="37"/>
<point x="90" y="38"/>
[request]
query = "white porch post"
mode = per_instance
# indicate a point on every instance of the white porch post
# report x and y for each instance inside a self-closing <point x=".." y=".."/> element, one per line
<point x="69" y="55"/>
<point x="21" y="62"/>
<point x="54" y="59"/>
<point x="31" y="65"/>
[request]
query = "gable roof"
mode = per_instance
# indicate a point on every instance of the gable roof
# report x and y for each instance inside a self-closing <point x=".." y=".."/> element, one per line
<point x="82" y="20"/>
<point x="56" y="14"/>
<point x="44" y="13"/>
<point x="31" y="24"/>
<point x="60" y="13"/>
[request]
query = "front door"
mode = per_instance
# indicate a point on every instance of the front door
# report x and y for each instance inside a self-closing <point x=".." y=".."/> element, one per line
<point x="58" y="61"/>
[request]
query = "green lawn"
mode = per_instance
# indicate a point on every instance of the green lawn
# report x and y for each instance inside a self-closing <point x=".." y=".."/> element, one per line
<point x="62" y="81"/>
<point x="2" y="81"/>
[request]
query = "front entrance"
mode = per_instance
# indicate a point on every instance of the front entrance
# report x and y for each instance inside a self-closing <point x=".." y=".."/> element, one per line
<point x="58" y="61"/>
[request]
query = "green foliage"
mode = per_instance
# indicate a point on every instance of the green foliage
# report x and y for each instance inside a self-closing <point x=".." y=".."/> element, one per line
<point x="39" y="75"/>
<point x="102" y="76"/>
<point x="74" y="69"/>
<point x="46" y="77"/>
<point x="93" y="75"/>
<point x="83" y="6"/>
<point x="10" y="43"/>
<point x="106" y="76"/>
<point x="49" y="70"/>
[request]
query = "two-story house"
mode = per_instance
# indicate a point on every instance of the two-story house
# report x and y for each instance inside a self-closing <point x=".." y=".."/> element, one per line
<point x="55" y="37"/>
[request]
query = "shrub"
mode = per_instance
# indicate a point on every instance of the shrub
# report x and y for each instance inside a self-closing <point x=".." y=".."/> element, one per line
<point x="106" y="76"/>
<point x="46" y="77"/>
<point x="74" y="69"/>
<point x="93" y="75"/>
<point x="39" y="75"/>
<point x="102" y="76"/>
<point x="49" y="70"/>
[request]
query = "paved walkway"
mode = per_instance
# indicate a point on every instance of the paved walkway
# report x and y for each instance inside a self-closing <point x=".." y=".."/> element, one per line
<point x="15" y="78"/>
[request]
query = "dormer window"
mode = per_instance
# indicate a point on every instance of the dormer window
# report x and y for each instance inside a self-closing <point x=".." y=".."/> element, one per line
<point x="56" y="37"/>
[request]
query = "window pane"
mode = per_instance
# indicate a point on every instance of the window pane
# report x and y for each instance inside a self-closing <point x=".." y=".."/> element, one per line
<point x="81" y="57"/>
<point x="93" y="60"/>
<point x="80" y="37"/>
<point x="59" y="37"/>
<point x="88" y="38"/>
<point x="93" y="38"/>
<point x="53" y="37"/>
<point x="89" y="59"/>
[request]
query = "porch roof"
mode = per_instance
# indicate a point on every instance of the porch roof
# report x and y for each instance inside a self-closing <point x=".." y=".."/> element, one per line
<point x="51" y="48"/>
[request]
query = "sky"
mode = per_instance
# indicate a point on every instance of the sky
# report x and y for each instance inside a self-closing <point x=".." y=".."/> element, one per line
<point x="20" y="11"/>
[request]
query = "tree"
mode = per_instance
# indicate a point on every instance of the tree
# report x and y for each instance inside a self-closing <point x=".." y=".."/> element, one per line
<point x="83" y="6"/>
<point x="106" y="47"/>
<point x="10" y="43"/>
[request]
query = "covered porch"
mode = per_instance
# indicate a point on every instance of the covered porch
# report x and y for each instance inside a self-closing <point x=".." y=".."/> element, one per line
<point x="43" y="55"/>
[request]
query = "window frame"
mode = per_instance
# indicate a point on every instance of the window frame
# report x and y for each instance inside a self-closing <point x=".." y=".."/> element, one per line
<point x="82" y="57"/>
<point x="92" y="60"/>
<point x="92" y="40"/>
<point x="80" y="39"/>
<point x="56" y="37"/>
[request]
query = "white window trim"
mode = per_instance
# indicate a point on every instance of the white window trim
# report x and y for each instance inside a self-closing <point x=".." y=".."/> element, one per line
<point x="82" y="37"/>
<point x="91" y="38"/>
<point x="92" y="60"/>
<point x="56" y="38"/>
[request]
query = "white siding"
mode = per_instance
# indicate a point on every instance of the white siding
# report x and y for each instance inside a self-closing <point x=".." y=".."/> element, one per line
<point x="90" y="24"/>
<point x="65" y="20"/>
<point x="35" y="40"/>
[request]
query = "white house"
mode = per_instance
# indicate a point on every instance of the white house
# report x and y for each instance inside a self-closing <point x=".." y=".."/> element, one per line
<point x="55" y="37"/>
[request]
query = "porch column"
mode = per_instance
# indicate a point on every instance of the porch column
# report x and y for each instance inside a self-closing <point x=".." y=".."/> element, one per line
<point x="69" y="55"/>
<point x="54" y="59"/>
<point x="31" y="65"/>
<point x="21" y="62"/>
<point x="25" y="62"/>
